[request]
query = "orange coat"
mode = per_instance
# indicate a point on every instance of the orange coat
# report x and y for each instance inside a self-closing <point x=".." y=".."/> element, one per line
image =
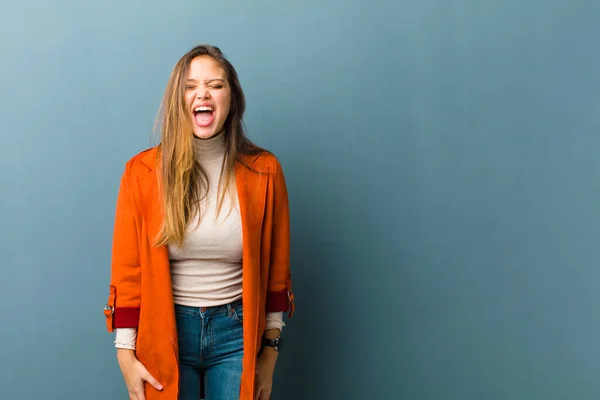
<point x="140" y="286"/>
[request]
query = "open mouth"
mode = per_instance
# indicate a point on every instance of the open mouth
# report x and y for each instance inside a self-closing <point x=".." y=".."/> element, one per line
<point x="204" y="115"/>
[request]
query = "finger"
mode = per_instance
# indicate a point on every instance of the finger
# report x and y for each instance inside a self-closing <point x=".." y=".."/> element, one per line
<point x="265" y="394"/>
<point x="257" y="393"/>
<point x="152" y="381"/>
<point x="139" y="395"/>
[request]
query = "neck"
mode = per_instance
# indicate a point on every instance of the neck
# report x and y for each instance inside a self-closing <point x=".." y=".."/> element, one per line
<point x="211" y="149"/>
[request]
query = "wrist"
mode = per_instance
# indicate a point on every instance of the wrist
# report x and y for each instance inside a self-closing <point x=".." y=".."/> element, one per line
<point x="125" y="355"/>
<point x="274" y="344"/>
<point x="269" y="353"/>
<point x="272" y="333"/>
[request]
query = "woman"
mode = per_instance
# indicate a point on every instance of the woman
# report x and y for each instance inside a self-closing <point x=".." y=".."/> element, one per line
<point x="200" y="262"/>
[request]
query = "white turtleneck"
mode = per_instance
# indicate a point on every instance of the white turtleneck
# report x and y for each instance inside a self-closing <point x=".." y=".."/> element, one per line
<point x="207" y="270"/>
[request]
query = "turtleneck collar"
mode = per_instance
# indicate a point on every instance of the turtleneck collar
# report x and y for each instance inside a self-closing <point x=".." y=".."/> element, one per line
<point x="210" y="150"/>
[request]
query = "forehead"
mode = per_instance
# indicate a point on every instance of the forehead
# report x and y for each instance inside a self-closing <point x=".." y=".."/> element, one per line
<point x="205" y="67"/>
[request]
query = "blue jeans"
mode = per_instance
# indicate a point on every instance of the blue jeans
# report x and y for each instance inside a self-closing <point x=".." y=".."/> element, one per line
<point x="211" y="347"/>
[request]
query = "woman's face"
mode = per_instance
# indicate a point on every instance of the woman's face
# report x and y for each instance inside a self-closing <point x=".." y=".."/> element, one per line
<point x="208" y="96"/>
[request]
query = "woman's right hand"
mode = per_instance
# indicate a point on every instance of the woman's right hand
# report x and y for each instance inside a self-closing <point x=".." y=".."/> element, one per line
<point x="135" y="374"/>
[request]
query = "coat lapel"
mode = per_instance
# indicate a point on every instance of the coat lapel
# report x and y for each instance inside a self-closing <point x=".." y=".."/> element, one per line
<point x="252" y="190"/>
<point x="251" y="186"/>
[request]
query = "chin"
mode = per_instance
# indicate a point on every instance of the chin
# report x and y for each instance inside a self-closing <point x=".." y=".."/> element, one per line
<point x="205" y="133"/>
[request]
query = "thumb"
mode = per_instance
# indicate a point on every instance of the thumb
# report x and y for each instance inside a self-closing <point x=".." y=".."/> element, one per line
<point x="151" y="380"/>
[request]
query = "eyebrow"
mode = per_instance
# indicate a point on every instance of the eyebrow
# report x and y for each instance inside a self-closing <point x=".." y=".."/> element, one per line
<point x="206" y="81"/>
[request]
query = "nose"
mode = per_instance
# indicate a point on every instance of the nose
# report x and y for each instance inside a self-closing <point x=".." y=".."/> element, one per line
<point x="202" y="93"/>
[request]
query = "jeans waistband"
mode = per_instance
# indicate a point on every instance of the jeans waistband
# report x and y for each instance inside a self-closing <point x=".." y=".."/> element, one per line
<point x="212" y="309"/>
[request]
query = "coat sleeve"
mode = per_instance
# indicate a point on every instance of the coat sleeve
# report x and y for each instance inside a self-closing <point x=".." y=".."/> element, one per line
<point x="123" y="307"/>
<point x="279" y="292"/>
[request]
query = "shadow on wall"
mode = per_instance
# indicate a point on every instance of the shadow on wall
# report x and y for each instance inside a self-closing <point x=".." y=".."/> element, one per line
<point x="318" y="334"/>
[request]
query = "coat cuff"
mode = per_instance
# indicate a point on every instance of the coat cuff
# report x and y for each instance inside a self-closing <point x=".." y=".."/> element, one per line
<point x="126" y="317"/>
<point x="280" y="301"/>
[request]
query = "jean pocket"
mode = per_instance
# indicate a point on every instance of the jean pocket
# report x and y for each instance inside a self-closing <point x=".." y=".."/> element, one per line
<point x="237" y="314"/>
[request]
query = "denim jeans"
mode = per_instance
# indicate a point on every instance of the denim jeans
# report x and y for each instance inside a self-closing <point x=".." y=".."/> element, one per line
<point x="211" y="346"/>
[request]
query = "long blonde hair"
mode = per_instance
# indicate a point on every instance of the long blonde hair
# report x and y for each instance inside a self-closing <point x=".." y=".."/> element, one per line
<point x="183" y="181"/>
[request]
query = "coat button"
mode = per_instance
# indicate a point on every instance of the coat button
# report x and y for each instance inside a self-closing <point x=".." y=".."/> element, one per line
<point x="109" y="310"/>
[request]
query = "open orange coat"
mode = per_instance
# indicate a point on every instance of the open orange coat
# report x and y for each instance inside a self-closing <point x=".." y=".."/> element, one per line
<point x="140" y="287"/>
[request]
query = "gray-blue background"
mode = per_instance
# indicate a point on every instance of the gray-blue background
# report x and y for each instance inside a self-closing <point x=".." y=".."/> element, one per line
<point x="443" y="164"/>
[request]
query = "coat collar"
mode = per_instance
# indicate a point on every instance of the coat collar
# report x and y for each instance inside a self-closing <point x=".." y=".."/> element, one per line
<point x="252" y="181"/>
<point x="149" y="158"/>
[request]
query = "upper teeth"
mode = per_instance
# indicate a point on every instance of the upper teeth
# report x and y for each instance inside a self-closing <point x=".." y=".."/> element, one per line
<point x="203" y="108"/>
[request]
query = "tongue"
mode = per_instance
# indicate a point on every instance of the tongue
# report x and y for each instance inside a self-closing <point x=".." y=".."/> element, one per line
<point x="203" y="118"/>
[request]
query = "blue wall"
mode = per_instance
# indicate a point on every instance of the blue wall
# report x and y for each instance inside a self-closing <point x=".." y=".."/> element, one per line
<point x="443" y="164"/>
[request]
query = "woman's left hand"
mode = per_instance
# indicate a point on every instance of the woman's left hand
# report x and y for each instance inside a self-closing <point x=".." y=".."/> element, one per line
<point x="265" y="367"/>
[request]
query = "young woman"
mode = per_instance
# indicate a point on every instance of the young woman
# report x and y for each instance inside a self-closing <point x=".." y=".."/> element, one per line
<point x="200" y="272"/>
